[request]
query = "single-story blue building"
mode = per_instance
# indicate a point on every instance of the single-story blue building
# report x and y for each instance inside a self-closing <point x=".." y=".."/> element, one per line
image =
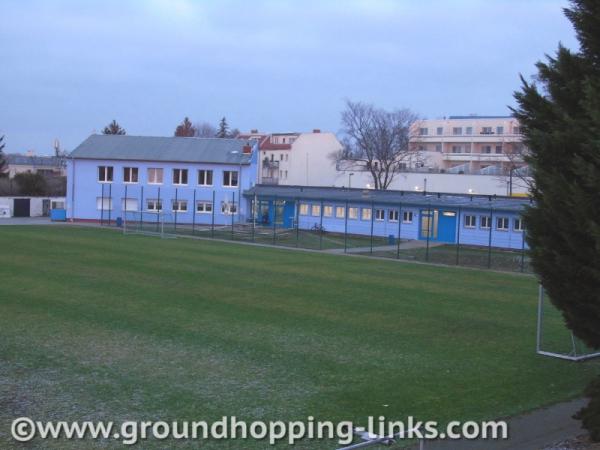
<point x="450" y="218"/>
<point x="192" y="179"/>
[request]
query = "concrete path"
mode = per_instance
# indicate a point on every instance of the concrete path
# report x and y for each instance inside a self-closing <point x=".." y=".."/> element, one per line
<point x="536" y="430"/>
<point x="408" y="245"/>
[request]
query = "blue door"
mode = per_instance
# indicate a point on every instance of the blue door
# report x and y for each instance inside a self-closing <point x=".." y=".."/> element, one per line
<point x="438" y="225"/>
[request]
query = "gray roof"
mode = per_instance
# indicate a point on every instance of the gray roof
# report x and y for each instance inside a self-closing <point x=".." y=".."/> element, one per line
<point x="393" y="198"/>
<point x="14" y="159"/>
<point x="168" y="149"/>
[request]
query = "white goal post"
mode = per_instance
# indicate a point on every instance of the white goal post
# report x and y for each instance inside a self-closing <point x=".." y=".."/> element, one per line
<point x="577" y="352"/>
<point x="152" y="223"/>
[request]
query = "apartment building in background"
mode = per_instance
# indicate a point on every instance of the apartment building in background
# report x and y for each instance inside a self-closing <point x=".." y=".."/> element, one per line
<point x="479" y="145"/>
<point x="296" y="158"/>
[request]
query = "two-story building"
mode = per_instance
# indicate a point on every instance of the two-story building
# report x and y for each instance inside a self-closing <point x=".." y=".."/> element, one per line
<point x="199" y="180"/>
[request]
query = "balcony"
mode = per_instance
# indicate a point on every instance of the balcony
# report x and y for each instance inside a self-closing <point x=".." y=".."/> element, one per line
<point x="270" y="164"/>
<point x="269" y="180"/>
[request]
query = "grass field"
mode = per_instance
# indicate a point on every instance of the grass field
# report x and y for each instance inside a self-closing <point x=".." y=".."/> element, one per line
<point x="95" y="325"/>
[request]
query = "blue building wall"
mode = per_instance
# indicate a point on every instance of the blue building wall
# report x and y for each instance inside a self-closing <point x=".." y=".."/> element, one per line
<point x="84" y="189"/>
<point x="452" y="227"/>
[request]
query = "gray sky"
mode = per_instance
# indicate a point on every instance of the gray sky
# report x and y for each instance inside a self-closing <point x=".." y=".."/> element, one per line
<point x="69" y="67"/>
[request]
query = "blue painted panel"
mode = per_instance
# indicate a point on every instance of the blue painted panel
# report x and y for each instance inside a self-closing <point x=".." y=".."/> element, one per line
<point x="447" y="226"/>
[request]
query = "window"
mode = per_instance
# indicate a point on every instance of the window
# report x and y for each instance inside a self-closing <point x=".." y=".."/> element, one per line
<point x="486" y="149"/>
<point x="439" y="131"/>
<point x="438" y="147"/>
<point x="228" y="208"/>
<point x="315" y="210"/>
<point x="502" y="223"/>
<point x="499" y="130"/>
<point x="407" y="217"/>
<point x="470" y="221"/>
<point x="457" y="149"/>
<point x="423" y="131"/>
<point x="285" y="174"/>
<point x="469" y="130"/>
<point x="365" y="214"/>
<point x="517" y="130"/>
<point x="393" y="215"/>
<point x="130" y="174"/>
<point x="58" y="205"/>
<point x="518" y="224"/>
<point x="486" y="130"/>
<point x="457" y="131"/>
<point x="129" y="204"/>
<point x="340" y="212"/>
<point x="304" y="209"/>
<point x="179" y="205"/>
<point x="484" y="222"/>
<point x="281" y="157"/>
<point x="286" y="156"/>
<point x="180" y="176"/>
<point x="104" y="203"/>
<point x="105" y="174"/>
<point x="203" y="207"/>
<point x="380" y="214"/>
<point x="154" y="205"/>
<point x="205" y="177"/>
<point x="230" y="178"/>
<point x="155" y="176"/>
<point x="328" y="211"/>
<point x="352" y="213"/>
<point x="498" y="149"/>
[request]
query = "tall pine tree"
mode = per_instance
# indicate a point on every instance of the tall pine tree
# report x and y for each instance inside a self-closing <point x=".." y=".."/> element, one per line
<point x="113" y="128"/>
<point x="185" y="129"/>
<point x="561" y="126"/>
<point x="223" y="130"/>
<point x="3" y="161"/>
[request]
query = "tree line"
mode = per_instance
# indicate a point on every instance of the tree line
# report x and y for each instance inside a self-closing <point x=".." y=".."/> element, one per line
<point x="187" y="129"/>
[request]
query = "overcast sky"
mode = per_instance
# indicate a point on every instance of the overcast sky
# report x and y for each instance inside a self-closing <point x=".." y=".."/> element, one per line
<point x="69" y="67"/>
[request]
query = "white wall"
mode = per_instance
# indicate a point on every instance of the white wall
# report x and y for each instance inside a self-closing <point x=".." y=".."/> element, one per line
<point x="36" y="204"/>
<point x="309" y="161"/>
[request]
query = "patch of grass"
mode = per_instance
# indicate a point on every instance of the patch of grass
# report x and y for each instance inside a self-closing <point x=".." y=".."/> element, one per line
<point x="100" y="326"/>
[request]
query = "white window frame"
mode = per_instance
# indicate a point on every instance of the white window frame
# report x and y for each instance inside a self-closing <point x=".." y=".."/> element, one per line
<point x="366" y="214"/>
<point x="353" y="213"/>
<point x="207" y="207"/>
<point x="106" y="171"/>
<point x="393" y="215"/>
<point x="457" y="131"/>
<point x="202" y="179"/>
<point x="303" y="209"/>
<point x="128" y="173"/>
<point x="105" y="204"/>
<point x="521" y="226"/>
<point x="379" y="215"/>
<point x="228" y="208"/>
<point x="483" y="220"/>
<point x="157" y="205"/>
<point x="129" y="204"/>
<point x="179" y="203"/>
<point x="407" y="217"/>
<point x="230" y="178"/>
<point x="155" y="171"/>
<point x="470" y="221"/>
<point x="340" y="212"/>
<point x="315" y="210"/>
<point x="505" y="221"/>
<point x="327" y="211"/>
<point x="180" y="177"/>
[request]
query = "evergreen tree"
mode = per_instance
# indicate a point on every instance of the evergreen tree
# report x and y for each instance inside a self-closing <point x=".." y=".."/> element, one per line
<point x="223" y="130"/>
<point x="113" y="128"/>
<point x="3" y="161"/>
<point x="561" y="127"/>
<point x="185" y="129"/>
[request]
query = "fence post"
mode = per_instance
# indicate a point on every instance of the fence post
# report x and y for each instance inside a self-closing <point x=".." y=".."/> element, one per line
<point x="346" y="228"/>
<point x="212" y="216"/>
<point x="489" y="264"/>
<point x="523" y="250"/>
<point x="109" y="202"/>
<point x="274" y="220"/>
<point x="297" y="223"/>
<point x="194" y="214"/>
<point x="254" y="215"/>
<point x="399" y="231"/>
<point x="141" y="207"/>
<point x="429" y="230"/>
<point x="125" y="212"/>
<point x="159" y="211"/>
<point x="458" y="238"/>
<point x="102" y="206"/>
<point x="177" y="204"/>
<point x="231" y="212"/>
<point x="372" y="223"/>
<point x="321" y="227"/>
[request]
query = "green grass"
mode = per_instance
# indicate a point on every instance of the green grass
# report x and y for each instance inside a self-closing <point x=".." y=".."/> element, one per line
<point x="96" y="325"/>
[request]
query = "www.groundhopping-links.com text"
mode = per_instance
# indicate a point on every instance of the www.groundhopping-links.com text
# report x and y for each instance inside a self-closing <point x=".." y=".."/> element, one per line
<point x="25" y="429"/>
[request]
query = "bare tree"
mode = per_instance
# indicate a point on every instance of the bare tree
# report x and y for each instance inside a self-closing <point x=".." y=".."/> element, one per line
<point x="205" y="130"/>
<point x="376" y="140"/>
<point x="3" y="161"/>
<point x="516" y="171"/>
